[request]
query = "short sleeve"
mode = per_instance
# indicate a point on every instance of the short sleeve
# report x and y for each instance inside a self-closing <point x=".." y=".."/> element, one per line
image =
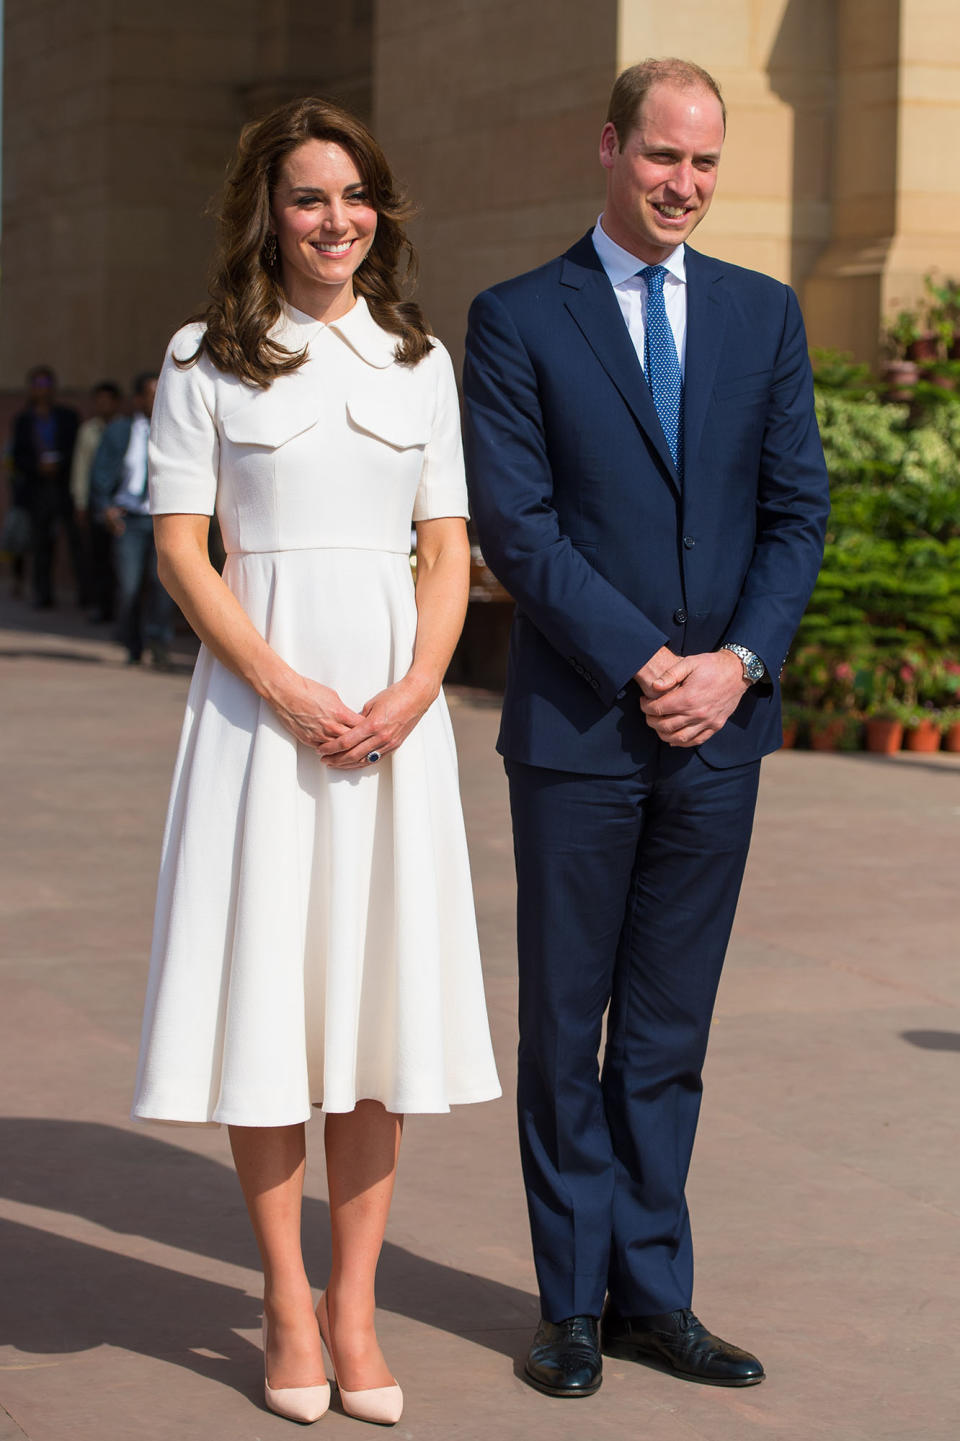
<point x="443" y="488"/>
<point x="184" y="453"/>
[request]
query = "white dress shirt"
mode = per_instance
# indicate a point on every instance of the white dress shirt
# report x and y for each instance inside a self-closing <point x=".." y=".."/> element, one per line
<point x="631" y="291"/>
<point x="132" y="495"/>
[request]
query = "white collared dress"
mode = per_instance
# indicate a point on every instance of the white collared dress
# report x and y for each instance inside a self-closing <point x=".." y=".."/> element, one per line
<point x="315" y="941"/>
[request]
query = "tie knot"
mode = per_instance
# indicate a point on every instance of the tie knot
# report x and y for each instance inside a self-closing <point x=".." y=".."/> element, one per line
<point x="654" y="275"/>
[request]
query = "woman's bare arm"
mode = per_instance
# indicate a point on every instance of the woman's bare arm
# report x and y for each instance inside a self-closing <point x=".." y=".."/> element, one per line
<point x="313" y="713"/>
<point x="443" y="581"/>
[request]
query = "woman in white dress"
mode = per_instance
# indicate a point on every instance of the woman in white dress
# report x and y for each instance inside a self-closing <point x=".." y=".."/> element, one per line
<point x="315" y="943"/>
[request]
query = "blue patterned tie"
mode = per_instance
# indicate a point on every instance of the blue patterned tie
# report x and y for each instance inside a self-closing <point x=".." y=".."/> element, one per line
<point x="662" y="366"/>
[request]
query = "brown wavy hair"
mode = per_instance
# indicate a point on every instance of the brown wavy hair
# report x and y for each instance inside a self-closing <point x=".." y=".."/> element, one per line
<point x="246" y="296"/>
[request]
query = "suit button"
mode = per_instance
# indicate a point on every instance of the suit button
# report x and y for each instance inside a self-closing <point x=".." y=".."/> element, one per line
<point x="621" y="694"/>
<point x="688" y="542"/>
<point x="680" y="616"/>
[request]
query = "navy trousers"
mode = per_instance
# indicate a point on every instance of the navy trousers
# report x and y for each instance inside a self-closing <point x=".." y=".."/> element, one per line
<point x="627" y="888"/>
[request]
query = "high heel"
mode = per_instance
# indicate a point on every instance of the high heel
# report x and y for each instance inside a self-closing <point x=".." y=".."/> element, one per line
<point x="383" y="1405"/>
<point x="294" y="1403"/>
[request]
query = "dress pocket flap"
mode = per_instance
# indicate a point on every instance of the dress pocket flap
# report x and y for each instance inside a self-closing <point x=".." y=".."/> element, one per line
<point x="401" y="428"/>
<point x="276" y="415"/>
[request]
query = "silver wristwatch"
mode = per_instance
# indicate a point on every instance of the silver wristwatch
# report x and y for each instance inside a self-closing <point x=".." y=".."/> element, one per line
<point x="753" y="667"/>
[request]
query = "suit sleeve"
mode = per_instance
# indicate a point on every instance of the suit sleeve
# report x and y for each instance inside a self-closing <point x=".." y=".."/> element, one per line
<point x="106" y="470"/>
<point x="591" y="624"/>
<point x="793" y="503"/>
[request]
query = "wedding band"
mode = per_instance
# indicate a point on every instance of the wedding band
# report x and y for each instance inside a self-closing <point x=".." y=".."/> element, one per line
<point x="373" y="756"/>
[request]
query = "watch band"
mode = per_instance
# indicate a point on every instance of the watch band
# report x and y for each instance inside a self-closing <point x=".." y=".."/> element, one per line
<point x="753" y="667"/>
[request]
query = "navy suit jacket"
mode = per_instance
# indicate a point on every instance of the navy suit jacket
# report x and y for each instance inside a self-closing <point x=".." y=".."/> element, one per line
<point x="582" y="516"/>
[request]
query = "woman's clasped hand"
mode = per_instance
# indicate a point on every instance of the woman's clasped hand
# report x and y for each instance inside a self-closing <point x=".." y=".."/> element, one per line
<point x="384" y="724"/>
<point x="316" y="716"/>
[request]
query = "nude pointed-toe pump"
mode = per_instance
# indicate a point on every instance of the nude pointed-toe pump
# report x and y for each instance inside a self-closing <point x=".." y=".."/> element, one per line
<point x="383" y="1405"/>
<point x="294" y="1403"/>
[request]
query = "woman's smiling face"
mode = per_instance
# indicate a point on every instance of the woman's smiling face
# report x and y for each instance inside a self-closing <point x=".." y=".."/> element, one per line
<point x="325" y="225"/>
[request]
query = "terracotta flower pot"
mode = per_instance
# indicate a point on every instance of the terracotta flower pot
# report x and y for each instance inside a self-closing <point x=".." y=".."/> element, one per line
<point x="951" y="737"/>
<point x="791" y="729"/>
<point x="884" y="737"/>
<point x="924" y="736"/>
<point x="923" y="348"/>
<point x="826" y="733"/>
<point x="900" y="378"/>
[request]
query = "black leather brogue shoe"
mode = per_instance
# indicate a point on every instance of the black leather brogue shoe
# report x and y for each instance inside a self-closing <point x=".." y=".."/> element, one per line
<point x="682" y="1343"/>
<point x="564" y="1358"/>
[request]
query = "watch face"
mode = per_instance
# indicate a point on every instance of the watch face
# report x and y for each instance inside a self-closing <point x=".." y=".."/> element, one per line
<point x="754" y="668"/>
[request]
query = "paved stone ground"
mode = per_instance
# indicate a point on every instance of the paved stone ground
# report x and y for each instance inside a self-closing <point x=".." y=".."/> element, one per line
<point x="825" y="1183"/>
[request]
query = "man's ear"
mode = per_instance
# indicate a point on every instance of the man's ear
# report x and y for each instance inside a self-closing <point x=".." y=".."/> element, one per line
<point x="609" y="146"/>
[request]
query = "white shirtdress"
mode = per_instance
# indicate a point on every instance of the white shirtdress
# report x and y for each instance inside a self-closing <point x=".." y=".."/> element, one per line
<point x="315" y="941"/>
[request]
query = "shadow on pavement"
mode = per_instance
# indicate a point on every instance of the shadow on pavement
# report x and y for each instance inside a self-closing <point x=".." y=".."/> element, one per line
<point x="63" y="1295"/>
<point x="933" y="1040"/>
<point x="68" y="622"/>
<point x="11" y="653"/>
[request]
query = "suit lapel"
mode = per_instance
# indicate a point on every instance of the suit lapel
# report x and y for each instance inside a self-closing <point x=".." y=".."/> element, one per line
<point x="591" y="302"/>
<point x="706" y="319"/>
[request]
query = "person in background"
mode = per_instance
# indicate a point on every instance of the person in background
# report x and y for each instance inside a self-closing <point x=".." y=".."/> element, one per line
<point x="44" y="434"/>
<point x="98" y="542"/>
<point x="119" y="498"/>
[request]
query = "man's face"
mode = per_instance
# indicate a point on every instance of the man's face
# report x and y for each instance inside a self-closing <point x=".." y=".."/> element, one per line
<point x="105" y="404"/>
<point x="42" y="389"/>
<point x="661" y="180"/>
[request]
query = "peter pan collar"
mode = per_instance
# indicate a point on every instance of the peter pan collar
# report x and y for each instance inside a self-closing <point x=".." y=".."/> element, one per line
<point x="358" y="328"/>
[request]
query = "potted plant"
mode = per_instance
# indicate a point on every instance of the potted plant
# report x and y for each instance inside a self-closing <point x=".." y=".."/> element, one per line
<point x="825" y="683"/>
<point x="922" y="728"/>
<point x="901" y="372"/>
<point x="875" y="687"/>
<point x="794" y="718"/>
<point x="917" y="682"/>
<point x="944" y="313"/>
<point x="950" y="721"/>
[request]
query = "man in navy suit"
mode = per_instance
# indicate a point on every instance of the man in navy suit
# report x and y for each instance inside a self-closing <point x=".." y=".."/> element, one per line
<point x="648" y="483"/>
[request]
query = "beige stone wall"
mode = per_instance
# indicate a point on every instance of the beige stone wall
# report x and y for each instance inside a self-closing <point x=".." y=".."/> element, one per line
<point x="114" y="141"/>
<point x="491" y="112"/>
<point x="927" y="211"/>
<point x="120" y="119"/>
<point x="838" y="173"/>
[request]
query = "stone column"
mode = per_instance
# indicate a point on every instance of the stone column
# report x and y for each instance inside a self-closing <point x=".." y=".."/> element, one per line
<point x="843" y="298"/>
<point x="896" y="186"/>
<point x="927" y="209"/>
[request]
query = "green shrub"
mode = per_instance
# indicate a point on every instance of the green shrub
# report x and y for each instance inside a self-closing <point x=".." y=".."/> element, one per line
<point x="889" y="590"/>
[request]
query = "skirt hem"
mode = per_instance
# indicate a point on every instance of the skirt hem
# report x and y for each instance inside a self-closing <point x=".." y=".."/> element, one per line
<point x="175" y="1115"/>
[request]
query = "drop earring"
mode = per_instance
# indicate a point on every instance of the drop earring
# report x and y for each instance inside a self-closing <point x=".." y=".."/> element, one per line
<point x="269" y="250"/>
